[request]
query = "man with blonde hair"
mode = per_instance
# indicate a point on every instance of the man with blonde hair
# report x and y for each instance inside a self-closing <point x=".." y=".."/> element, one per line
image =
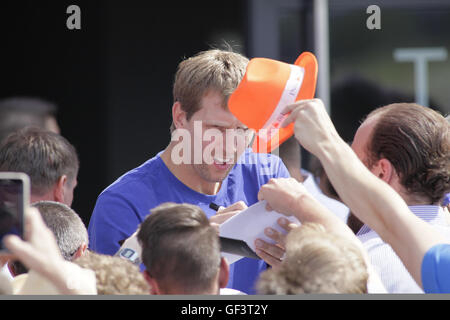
<point x="114" y="276"/>
<point x="406" y="146"/>
<point x="207" y="161"/>
<point x="317" y="262"/>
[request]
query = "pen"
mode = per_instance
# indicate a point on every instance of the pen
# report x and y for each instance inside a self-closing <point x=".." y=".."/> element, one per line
<point x="214" y="206"/>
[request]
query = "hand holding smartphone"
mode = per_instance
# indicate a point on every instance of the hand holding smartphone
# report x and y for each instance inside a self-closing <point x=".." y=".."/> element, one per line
<point x="14" y="198"/>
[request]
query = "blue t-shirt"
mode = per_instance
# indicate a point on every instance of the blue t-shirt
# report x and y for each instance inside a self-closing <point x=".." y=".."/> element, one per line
<point x="436" y="269"/>
<point x="123" y="206"/>
<point x="446" y="200"/>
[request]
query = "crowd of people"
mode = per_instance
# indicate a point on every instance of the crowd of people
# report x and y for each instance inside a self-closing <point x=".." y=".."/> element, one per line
<point x="375" y="221"/>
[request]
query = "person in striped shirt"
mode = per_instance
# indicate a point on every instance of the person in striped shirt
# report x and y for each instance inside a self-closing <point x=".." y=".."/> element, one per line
<point x="405" y="145"/>
<point x="382" y="206"/>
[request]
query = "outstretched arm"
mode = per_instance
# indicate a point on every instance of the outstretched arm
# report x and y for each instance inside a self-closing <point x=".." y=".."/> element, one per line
<point x="370" y="199"/>
<point x="290" y="197"/>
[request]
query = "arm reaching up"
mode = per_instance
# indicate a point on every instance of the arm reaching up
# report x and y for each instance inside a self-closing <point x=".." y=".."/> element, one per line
<point x="290" y="197"/>
<point x="370" y="199"/>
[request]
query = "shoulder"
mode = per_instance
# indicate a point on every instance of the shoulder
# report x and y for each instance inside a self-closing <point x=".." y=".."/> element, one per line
<point x="435" y="265"/>
<point x="134" y="189"/>
<point x="136" y="179"/>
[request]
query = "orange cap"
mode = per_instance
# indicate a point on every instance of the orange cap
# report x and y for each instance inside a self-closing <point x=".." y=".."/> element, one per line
<point x="267" y="88"/>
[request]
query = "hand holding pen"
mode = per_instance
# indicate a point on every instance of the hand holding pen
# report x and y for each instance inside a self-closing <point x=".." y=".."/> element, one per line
<point x="223" y="214"/>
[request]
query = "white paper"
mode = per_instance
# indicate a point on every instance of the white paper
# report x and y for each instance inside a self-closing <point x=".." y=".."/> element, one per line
<point x="249" y="225"/>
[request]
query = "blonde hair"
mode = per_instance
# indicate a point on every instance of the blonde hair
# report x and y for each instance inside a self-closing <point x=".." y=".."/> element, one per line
<point x="219" y="70"/>
<point x="316" y="262"/>
<point x="115" y="276"/>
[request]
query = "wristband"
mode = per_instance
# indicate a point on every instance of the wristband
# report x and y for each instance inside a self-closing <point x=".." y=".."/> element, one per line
<point x="130" y="255"/>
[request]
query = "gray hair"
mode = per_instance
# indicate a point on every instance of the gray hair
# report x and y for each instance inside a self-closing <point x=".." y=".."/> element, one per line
<point x="66" y="225"/>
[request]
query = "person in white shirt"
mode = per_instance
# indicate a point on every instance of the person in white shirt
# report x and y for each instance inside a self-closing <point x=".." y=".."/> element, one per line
<point x="290" y="153"/>
<point x="406" y="146"/>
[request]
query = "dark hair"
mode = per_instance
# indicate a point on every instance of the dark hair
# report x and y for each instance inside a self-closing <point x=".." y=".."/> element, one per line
<point x="180" y="249"/>
<point x="416" y="140"/>
<point x="44" y="156"/>
<point x="19" y="112"/>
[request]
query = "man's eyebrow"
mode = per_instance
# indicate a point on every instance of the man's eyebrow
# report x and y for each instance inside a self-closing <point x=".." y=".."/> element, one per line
<point x="216" y="123"/>
<point x="223" y="124"/>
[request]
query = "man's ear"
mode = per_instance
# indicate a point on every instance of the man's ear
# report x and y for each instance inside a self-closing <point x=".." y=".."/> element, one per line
<point x="59" y="189"/>
<point x="384" y="170"/>
<point x="224" y="273"/>
<point x="154" y="288"/>
<point x="178" y="116"/>
<point x="80" y="251"/>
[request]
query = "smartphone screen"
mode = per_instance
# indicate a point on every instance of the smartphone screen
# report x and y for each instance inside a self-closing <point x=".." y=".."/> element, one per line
<point x="11" y="208"/>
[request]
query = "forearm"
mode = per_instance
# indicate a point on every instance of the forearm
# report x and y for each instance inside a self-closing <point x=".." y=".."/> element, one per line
<point x="368" y="197"/>
<point x="308" y="209"/>
<point x="378" y="205"/>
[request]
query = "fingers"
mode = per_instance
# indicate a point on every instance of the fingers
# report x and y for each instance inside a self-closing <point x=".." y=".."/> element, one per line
<point x="216" y="227"/>
<point x="270" y="253"/>
<point x="222" y="217"/>
<point x="287" y="224"/>
<point x="273" y="254"/>
<point x="17" y="246"/>
<point x="275" y="263"/>
<point x="281" y="195"/>
<point x="220" y="209"/>
<point x="296" y="105"/>
<point x="238" y="206"/>
<point x="223" y="214"/>
<point x="291" y="118"/>
<point x="33" y="221"/>
<point x="268" y="207"/>
<point x="266" y="188"/>
<point x="261" y="192"/>
<point x="294" y="109"/>
<point x="276" y="236"/>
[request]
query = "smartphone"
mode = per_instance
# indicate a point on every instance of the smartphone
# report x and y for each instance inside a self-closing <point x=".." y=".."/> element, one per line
<point x="14" y="198"/>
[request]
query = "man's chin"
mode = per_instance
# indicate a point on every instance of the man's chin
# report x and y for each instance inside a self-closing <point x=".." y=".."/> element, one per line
<point x="215" y="173"/>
